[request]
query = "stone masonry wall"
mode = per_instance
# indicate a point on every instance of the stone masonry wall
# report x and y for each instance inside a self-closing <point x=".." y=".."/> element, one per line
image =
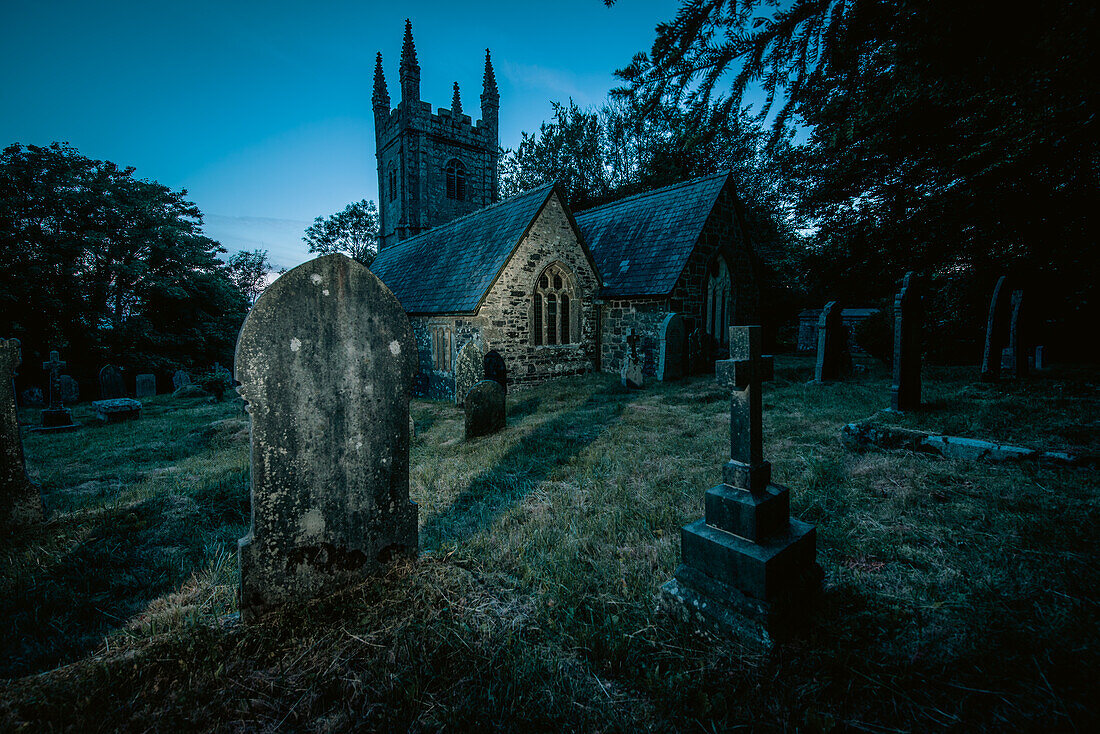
<point x="619" y="316"/>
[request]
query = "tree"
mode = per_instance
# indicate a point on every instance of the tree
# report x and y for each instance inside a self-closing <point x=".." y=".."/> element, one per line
<point x="248" y="271"/>
<point x="353" y="231"/>
<point x="107" y="267"/>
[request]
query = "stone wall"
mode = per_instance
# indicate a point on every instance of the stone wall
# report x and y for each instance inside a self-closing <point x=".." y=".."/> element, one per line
<point x="644" y="315"/>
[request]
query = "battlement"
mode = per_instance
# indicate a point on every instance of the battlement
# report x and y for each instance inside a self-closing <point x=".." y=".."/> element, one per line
<point x="441" y="122"/>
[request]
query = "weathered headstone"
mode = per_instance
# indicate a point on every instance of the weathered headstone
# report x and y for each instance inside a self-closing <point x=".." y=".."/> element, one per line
<point x="117" y="410"/>
<point x="20" y="501"/>
<point x="1016" y="336"/>
<point x="485" y="409"/>
<point x="70" y="389"/>
<point x="747" y="566"/>
<point x="671" y="348"/>
<point x="495" y="369"/>
<point x="995" y="332"/>
<point x="180" y="379"/>
<point x="905" y="393"/>
<point x="55" y="416"/>
<point x="32" y="398"/>
<point x="110" y="383"/>
<point x="145" y="386"/>
<point x="469" y="368"/>
<point x="325" y="360"/>
<point x="834" y="359"/>
<point x="632" y="374"/>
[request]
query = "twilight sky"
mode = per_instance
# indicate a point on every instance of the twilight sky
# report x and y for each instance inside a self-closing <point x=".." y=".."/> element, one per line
<point x="261" y="110"/>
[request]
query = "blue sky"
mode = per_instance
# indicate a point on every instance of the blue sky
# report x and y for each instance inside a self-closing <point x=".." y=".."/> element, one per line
<point x="261" y="110"/>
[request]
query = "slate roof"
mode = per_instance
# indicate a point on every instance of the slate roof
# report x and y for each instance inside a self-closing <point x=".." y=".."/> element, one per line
<point x="642" y="243"/>
<point x="449" y="268"/>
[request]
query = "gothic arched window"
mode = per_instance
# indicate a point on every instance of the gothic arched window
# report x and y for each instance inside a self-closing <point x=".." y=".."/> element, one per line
<point x="554" y="313"/>
<point x="719" y="290"/>
<point x="456" y="180"/>
<point x="393" y="183"/>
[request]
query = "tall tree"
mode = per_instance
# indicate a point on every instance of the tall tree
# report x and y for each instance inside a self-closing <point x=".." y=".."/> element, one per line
<point x="248" y="270"/>
<point x="353" y="231"/>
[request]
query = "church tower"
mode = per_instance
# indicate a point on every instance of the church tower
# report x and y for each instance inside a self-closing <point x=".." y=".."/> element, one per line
<point x="432" y="167"/>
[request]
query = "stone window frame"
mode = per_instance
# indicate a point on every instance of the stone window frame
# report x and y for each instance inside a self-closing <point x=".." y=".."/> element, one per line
<point x="718" y="300"/>
<point x="442" y="346"/>
<point x="393" y="182"/>
<point x="455" y="174"/>
<point x="549" y="322"/>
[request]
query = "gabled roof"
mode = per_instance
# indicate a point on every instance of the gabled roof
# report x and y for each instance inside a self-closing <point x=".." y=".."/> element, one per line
<point x="642" y="243"/>
<point x="450" y="268"/>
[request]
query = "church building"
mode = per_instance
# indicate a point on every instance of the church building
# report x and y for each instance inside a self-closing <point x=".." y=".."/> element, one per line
<point x="555" y="293"/>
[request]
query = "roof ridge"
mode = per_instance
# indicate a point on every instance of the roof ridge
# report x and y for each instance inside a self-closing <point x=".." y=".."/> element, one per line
<point x="653" y="192"/>
<point x="509" y="200"/>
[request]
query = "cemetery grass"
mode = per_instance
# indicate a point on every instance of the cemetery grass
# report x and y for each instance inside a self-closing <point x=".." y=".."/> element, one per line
<point x="958" y="596"/>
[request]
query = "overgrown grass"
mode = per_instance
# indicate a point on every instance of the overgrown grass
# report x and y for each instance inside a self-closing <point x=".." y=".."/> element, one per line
<point x="958" y="595"/>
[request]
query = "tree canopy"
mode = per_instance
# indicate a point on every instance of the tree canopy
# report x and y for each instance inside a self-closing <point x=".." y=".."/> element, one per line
<point x="107" y="267"/>
<point x="353" y="231"/>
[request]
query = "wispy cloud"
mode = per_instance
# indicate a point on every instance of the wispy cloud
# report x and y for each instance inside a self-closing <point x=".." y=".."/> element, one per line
<point x="282" y="238"/>
<point x="559" y="85"/>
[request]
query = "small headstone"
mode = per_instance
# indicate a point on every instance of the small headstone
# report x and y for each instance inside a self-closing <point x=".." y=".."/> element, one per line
<point x="20" y="501"/>
<point x="671" y="348"/>
<point x="495" y="369"/>
<point x="485" y="409"/>
<point x="834" y="359"/>
<point x="631" y="373"/>
<point x="1016" y="336"/>
<point x="55" y="416"/>
<point x="325" y="360"/>
<point x="1039" y="363"/>
<point x="905" y="393"/>
<point x="145" y="386"/>
<point x="747" y="566"/>
<point x="70" y="389"/>
<point x="995" y="332"/>
<point x="179" y="379"/>
<point x="117" y="410"/>
<point x="110" y="383"/>
<point x="469" y="368"/>
<point x="32" y="397"/>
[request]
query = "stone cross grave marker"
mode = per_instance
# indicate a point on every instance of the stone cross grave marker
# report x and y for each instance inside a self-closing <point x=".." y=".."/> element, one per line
<point x="20" y="501"/>
<point x="905" y="393"/>
<point x="111" y="386"/>
<point x="485" y="409"/>
<point x="994" y="332"/>
<point x="469" y="368"/>
<point x="672" y="354"/>
<point x="834" y="360"/>
<point x="632" y="374"/>
<point x="325" y="360"/>
<point x="747" y="567"/>
<point x="55" y="415"/>
<point x="145" y="386"/>
<point x="495" y="369"/>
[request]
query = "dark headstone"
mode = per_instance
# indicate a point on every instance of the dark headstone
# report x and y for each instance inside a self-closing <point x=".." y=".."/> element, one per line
<point x="55" y="416"/>
<point x="70" y="389"/>
<point x="495" y="369"/>
<point x="110" y="383"/>
<point x="695" y="358"/>
<point x="117" y="410"/>
<point x="485" y="409"/>
<point x="20" y="501"/>
<point x="325" y="360"/>
<point x="671" y="348"/>
<point x="179" y="379"/>
<point x="905" y="393"/>
<point x="32" y="397"/>
<point x="747" y="567"/>
<point x="1040" y="364"/>
<point x="1016" y="336"/>
<point x="469" y="368"/>
<point x="834" y="359"/>
<point x="145" y="386"/>
<point x="632" y="374"/>
<point x="995" y="332"/>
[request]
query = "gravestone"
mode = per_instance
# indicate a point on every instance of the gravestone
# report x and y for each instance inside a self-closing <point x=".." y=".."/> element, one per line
<point x="32" y="398"/>
<point x="55" y="417"/>
<point x="469" y="368"/>
<point x="20" y="501"/>
<point x="145" y="386"/>
<point x="485" y="409"/>
<point x="994" y="332"/>
<point x="905" y="393"/>
<point x="834" y="359"/>
<point x="110" y="383"/>
<point x="325" y="360"/>
<point x="694" y="359"/>
<point x="117" y="410"/>
<point x="671" y="348"/>
<point x="747" y="567"/>
<point x="632" y="375"/>
<point x="180" y="379"/>
<point x="1040" y="364"/>
<point x="495" y="369"/>
<point x="1016" y="336"/>
<point x="70" y="389"/>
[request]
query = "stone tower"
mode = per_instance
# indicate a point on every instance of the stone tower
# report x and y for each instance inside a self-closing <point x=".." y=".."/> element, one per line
<point x="432" y="167"/>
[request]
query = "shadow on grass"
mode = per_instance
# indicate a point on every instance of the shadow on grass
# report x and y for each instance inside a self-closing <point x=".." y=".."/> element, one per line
<point x="523" y="408"/>
<point x="496" y="489"/>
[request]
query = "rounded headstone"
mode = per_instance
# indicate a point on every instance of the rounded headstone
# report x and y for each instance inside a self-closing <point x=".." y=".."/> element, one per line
<point x="672" y="348"/>
<point x="495" y="369"/>
<point x="485" y="409"/>
<point x="70" y="389"/>
<point x="179" y="379"/>
<point x="111" y="386"/>
<point x="469" y="368"/>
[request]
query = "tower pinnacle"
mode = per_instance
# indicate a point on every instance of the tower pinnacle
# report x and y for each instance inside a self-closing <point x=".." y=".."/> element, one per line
<point x="410" y="68"/>
<point x="381" y="97"/>
<point x="456" y="103"/>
